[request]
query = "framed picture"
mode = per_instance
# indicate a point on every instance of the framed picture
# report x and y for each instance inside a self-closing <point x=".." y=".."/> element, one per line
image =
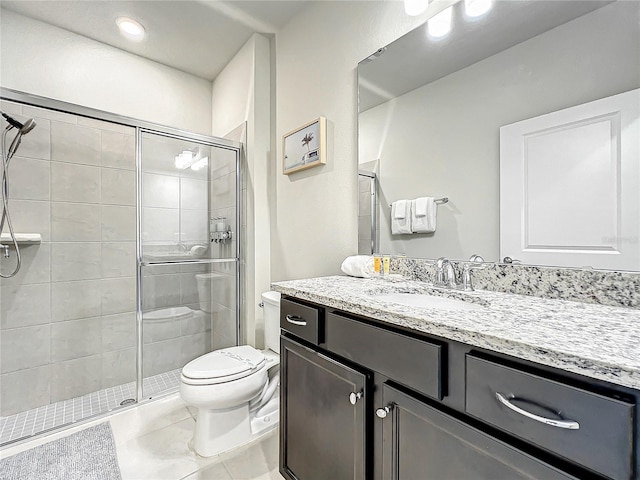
<point x="305" y="147"/>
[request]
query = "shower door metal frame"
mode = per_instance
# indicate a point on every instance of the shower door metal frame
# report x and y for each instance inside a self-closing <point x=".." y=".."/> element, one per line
<point x="141" y="127"/>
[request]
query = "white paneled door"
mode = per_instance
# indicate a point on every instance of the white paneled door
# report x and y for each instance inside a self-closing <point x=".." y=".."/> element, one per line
<point x="570" y="186"/>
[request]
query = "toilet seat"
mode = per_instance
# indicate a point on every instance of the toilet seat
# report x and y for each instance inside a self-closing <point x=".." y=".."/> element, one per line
<point x="225" y="365"/>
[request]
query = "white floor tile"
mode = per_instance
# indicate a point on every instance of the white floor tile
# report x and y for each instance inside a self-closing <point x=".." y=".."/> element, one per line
<point x="148" y="417"/>
<point x="212" y="472"/>
<point x="257" y="461"/>
<point x="161" y="454"/>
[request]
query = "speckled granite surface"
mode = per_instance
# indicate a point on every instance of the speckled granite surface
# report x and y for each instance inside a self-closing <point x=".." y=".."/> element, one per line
<point x="580" y="285"/>
<point x="597" y="341"/>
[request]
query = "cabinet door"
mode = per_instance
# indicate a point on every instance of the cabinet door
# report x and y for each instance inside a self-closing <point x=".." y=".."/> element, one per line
<point x="322" y="430"/>
<point x="423" y="443"/>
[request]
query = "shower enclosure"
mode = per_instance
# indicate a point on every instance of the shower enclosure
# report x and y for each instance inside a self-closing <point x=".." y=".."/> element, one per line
<point x="137" y="270"/>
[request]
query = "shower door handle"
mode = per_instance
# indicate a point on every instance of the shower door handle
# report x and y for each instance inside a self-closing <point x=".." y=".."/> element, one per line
<point x="296" y="320"/>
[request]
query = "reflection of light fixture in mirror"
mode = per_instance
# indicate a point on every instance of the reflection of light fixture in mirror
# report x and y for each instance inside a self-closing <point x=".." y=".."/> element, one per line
<point x="200" y="164"/>
<point x="415" y="7"/>
<point x="440" y="24"/>
<point x="130" y="28"/>
<point x="475" y="8"/>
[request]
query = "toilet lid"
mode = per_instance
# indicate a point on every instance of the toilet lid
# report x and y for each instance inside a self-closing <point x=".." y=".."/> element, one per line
<point x="234" y="361"/>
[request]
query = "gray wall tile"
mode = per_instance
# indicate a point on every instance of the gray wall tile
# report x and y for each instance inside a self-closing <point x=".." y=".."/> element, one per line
<point x="75" y="339"/>
<point x="75" y="261"/>
<point x="36" y="265"/>
<point x="75" y="222"/>
<point x="118" y="150"/>
<point x="24" y="390"/>
<point x="75" y="183"/>
<point x="37" y="144"/>
<point x="73" y="300"/>
<point x="200" y="322"/>
<point x="118" y="295"/>
<point x="23" y="348"/>
<point x="118" y="367"/>
<point x="161" y="357"/>
<point x="75" y="144"/>
<point x="30" y="179"/>
<point x="194" y="346"/>
<point x="118" y="224"/>
<point x="75" y="377"/>
<point x="24" y="305"/>
<point x="118" y="331"/>
<point x="118" y="259"/>
<point x="118" y="186"/>
<point x="31" y="217"/>
<point x="41" y="113"/>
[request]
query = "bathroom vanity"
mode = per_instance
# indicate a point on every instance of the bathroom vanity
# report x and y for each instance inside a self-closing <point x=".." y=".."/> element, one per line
<point x="399" y="380"/>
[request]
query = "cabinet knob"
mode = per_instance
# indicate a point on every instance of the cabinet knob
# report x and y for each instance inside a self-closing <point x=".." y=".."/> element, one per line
<point x="384" y="411"/>
<point x="354" y="397"/>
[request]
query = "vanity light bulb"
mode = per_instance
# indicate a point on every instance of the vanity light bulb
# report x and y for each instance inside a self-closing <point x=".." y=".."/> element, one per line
<point x="415" y="7"/>
<point x="475" y="8"/>
<point x="440" y="24"/>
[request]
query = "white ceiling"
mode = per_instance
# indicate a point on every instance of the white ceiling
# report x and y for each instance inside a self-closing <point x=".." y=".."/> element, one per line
<point x="196" y="36"/>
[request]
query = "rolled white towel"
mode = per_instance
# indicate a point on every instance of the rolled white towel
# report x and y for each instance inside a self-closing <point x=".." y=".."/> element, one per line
<point x="358" y="266"/>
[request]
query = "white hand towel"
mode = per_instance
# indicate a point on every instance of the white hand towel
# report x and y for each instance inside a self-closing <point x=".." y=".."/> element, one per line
<point x="400" y="209"/>
<point x="422" y="206"/>
<point x="424" y="223"/>
<point x="358" y="266"/>
<point x="401" y="217"/>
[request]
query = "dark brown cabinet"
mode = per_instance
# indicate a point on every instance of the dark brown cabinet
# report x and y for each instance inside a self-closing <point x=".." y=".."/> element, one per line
<point x="323" y="428"/>
<point x="422" y="442"/>
<point x="361" y="399"/>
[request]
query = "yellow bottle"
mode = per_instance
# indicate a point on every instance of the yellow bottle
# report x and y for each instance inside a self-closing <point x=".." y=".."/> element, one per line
<point x="376" y="264"/>
<point x="386" y="259"/>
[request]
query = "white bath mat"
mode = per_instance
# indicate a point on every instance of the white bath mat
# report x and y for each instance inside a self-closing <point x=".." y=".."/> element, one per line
<point x="86" y="455"/>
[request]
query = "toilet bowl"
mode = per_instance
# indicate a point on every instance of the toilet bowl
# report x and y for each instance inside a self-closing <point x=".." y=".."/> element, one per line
<point x="236" y="389"/>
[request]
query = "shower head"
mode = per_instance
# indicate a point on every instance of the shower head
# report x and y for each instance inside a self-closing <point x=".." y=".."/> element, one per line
<point x="24" y="128"/>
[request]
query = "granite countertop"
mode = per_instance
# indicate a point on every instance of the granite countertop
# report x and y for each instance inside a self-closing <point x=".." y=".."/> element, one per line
<point x="596" y="341"/>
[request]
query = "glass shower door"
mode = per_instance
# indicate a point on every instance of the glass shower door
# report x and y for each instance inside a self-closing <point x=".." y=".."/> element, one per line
<point x="188" y="255"/>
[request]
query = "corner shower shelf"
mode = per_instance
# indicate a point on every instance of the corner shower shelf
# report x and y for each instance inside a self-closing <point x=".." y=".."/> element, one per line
<point x="29" y="238"/>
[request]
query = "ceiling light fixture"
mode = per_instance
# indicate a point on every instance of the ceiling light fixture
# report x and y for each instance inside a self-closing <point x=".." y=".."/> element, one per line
<point x="415" y="7"/>
<point x="476" y="8"/>
<point x="130" y="28"/>
<point x="440" y="24"/>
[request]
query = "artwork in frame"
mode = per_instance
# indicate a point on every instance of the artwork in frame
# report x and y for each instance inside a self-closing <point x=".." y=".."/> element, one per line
<point x="305" y="147"/>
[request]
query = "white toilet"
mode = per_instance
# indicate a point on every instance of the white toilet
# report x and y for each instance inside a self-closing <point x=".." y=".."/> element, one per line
<point x="236" y="389"/>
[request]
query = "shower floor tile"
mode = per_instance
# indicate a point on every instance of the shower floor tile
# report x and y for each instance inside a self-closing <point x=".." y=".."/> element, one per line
<point x="32" y="422"/>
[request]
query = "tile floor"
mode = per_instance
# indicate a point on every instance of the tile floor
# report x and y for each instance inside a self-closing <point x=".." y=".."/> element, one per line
<point x="152" y="444"/>
<point x="38" y="420"/>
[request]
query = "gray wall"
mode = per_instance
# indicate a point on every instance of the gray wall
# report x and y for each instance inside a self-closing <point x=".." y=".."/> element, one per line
<point x="443" y="139"/>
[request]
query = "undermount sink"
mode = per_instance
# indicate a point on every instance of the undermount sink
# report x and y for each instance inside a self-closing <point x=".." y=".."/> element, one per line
<point x="421" y="300"/>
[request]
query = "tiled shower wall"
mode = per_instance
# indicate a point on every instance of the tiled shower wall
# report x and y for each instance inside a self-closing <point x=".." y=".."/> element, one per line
<point x="67" y="319"/>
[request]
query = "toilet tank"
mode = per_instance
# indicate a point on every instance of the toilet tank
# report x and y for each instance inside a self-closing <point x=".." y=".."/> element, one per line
<point x="271" y="302"/>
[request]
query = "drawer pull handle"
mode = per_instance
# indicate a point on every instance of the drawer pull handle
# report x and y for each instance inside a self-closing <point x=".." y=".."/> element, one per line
<point x="384" y="411"/>
<point x="296" y="320"/>
<point x="570" y="424"/>
<point x="354" y="397"/>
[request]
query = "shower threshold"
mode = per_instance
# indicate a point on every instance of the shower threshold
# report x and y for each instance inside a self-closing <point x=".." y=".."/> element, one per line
<point x="20" y="426"/>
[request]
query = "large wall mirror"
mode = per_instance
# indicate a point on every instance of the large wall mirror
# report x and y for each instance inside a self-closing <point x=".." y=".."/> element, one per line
<point x="434" y="115"/>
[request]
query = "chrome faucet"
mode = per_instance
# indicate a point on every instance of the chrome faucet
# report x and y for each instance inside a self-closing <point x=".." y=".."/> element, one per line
<point x="445" y="274"/>
<point x="475" y="262"/>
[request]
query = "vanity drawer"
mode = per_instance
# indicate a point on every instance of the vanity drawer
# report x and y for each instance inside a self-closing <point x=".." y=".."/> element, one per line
<point x="301" y="320"/>
<point x="601" y="433"/>
<point x="414" y="363"/>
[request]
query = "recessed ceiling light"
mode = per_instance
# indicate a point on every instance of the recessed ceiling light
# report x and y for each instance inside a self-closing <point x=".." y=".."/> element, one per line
<point x="130" y="28"/>
<point x="476" y="8"/>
